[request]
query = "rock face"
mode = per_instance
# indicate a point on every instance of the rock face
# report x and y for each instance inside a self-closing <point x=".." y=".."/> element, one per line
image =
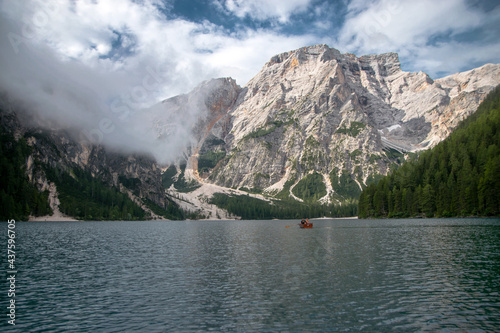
<point x="309" y="116"/>
<point x="187" y="120"/>
<point x="317" y="110"/>
<point x="58" y="149"/>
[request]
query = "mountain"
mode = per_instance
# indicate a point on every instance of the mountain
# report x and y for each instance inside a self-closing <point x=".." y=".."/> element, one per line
<point x="308" y="133"/>
<point x="79" y="180"/>
<point x="458" y="177"/>
<point x="316" y="125"/>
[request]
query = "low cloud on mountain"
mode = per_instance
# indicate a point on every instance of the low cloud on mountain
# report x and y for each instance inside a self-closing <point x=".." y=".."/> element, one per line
<point x="88" y="64"/>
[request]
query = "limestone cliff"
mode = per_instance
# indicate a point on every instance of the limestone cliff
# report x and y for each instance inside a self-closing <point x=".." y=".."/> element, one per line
<point x="136" y="175"/>
<point x="313" y="125"/>
<point x="316" y="110"/>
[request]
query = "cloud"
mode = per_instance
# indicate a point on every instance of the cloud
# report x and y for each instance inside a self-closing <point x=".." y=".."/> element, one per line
<point x="424" y="33"/>
<point x="280" y="10"/>
<point x="90" y="65"/>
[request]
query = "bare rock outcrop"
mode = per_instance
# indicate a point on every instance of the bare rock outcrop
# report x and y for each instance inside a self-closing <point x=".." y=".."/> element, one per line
<point x="318" y="110"/>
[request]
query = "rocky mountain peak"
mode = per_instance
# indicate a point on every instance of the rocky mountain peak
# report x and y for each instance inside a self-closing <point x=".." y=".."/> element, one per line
<point x="323" y="52"/>
<point x="313" y="125"/>
<point x="385" y="64"/>
<point x="315" y="110"/>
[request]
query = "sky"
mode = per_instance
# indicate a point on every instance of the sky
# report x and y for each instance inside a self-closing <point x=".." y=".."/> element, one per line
<point x="84" y="62"/>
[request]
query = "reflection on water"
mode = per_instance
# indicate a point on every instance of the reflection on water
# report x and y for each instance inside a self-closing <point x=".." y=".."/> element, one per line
<point x="342" y="275"/>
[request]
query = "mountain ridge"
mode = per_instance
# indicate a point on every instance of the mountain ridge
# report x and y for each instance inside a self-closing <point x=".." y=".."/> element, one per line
<point x="457" y="177"/>
<point x="317" y="110"/>
<point x="314" y="127"/>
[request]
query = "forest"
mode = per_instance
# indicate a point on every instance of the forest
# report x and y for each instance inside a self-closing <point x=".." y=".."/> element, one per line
<point x="458" y="177"/>
<point x="87" y="198"/>
<point x="250" y="208"/>
<point x="310" y="188"/>
<point x="18" y="197"/>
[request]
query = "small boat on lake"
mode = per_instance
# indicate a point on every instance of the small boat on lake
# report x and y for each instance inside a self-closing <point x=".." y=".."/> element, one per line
<point x="306" y="226"/>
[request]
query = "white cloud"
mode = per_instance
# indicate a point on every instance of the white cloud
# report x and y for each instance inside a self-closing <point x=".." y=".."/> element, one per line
<point x="413" y="29"/>
<point x="76" y="61"/>
<point x="244" y="57"/>
<point x="449" y="58"/>
<point x="65" y="62"/>
<point x="265" y="9"/>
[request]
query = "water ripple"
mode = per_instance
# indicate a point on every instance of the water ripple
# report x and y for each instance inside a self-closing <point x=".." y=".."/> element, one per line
<point x="343" y="275"/>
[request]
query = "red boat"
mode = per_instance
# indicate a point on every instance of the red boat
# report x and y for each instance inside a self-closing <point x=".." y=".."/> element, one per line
<point x="306" y="226"/>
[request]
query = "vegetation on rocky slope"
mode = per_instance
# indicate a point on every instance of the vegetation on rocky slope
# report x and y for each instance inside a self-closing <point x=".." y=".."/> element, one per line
<point x="88" y="198"/>
<point x="85" y="195"/>
<point x="250" y="208"/>
<point x="314" y="126"/>
<point x="458" y="177"/>
<point x="18" y="197"/>
<point x="310" y="188"/>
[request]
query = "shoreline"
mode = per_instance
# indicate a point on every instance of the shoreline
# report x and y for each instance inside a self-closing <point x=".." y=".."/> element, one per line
<point x="62" y="218"/>
<point x="51" y="218"/>
<point x="336" y="218"/>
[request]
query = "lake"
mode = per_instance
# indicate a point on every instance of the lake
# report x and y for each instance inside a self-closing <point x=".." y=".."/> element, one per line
<point x="409" y="275"/>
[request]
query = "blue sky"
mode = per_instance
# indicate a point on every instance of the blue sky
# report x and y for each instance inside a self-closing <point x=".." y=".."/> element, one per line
<point x="73" y="60"/>
<point x="462" y="34"/>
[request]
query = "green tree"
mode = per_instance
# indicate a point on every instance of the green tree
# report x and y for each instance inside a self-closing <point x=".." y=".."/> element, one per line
<point x="460" y="176"/>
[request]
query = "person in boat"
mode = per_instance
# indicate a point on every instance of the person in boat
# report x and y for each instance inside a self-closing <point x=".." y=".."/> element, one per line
<point x="307" y="221"/>
<point x="303" y="222"/>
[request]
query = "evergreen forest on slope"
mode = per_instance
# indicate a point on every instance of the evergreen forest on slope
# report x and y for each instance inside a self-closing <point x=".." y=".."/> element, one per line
<point x="250" y="208"/>
<point x="19" y="198"/>
<point x="458" y="177"/>
<point x="81" y="195"/>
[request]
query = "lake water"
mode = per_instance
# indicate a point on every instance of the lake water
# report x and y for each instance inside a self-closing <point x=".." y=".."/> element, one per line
<point x="191" y="276"/>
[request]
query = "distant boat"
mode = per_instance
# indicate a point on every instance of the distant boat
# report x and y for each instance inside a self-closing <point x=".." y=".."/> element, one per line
<point x="306" y="226"/>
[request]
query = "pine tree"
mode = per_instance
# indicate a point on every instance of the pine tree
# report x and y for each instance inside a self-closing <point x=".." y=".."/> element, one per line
<point x="460" y="176"/>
